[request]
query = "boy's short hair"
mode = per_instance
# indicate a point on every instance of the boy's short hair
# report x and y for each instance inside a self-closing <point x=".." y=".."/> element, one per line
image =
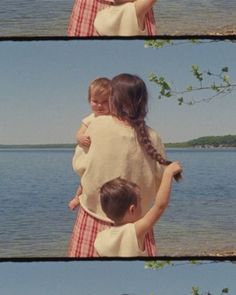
<point x="100" y="87"/>
<point x="117" y="196"/>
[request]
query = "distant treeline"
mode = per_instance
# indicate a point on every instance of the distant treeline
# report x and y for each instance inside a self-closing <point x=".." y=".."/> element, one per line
<point x="207" y="141"/>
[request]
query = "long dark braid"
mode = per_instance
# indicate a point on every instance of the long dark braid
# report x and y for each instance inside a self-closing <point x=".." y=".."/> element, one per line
<point x="145" y="141"/>
<point x="129" y="102"/>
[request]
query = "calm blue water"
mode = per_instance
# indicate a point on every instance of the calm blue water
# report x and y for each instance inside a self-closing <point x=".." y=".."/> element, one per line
<point x="50" y="17"/>
<point x="36" y="185"/>
<point x="201" y="218"/>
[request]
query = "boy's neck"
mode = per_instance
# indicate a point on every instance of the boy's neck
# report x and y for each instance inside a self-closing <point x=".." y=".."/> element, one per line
<point x="124" y="221"/>
<point x="120" y="223"/>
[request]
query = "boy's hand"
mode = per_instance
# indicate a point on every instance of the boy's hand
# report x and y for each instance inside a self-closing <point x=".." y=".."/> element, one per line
<point x="173" y="169"/>
<point x="85" y="140"/>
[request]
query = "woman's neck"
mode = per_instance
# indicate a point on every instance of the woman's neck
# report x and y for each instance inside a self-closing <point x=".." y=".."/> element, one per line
<point x="120" y="121"/>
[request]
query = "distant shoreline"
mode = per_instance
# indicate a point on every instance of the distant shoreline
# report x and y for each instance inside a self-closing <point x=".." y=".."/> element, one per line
<point x="58" y="147"/>
<point x="205" y="142"/>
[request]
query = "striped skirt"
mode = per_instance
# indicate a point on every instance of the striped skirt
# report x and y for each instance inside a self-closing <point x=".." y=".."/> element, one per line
<point x="84" y="13"/>
<point x="84" y="234"/>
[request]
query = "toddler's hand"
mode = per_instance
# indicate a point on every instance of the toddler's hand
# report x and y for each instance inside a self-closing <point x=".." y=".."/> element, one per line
<point x="174" y="168"/>
<point x="85" y="140"/>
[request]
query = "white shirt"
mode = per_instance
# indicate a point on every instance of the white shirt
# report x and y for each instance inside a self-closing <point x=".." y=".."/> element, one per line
<point x="118" y="241"/>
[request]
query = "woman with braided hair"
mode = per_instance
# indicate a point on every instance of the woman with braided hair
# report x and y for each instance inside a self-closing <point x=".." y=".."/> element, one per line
<point x="122" y="145"/>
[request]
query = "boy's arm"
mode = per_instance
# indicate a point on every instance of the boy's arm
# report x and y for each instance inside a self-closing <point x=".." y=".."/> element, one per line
<point x="143" y="225"/>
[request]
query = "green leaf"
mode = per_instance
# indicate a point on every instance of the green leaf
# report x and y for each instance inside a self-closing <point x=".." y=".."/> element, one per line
<point x="153" y="77"/>
<point x="195" y="291"/>
<point x="157" y="44"/>
<point x="156" y="265"/>
<point x="215" y="87"/>
<point x="226" y="79"/>
<point x="180" y="101"/>
<point x="189" y="88"/>
<point x="225" y="69"/>
<point x="166" y="85"/>
<point x="196" y="72"/>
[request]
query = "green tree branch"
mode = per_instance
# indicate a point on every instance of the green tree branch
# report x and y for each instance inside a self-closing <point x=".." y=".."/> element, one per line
<point x="211" y="85"/>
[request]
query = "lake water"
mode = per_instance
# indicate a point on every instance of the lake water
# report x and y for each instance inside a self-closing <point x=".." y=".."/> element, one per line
<point x="36" y="185"/>
<point x="50" y="17"/>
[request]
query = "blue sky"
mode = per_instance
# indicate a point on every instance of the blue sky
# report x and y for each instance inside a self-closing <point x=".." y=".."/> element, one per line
<point x="114" y="278"/>
<point x="44" y="87"/>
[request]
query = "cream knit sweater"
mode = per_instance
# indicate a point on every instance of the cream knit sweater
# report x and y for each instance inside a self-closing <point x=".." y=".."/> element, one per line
<point x="115" y="152"/>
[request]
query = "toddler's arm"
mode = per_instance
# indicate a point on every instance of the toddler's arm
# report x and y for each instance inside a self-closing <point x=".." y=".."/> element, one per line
<point x="143" y="225"/>
<point x="81" y="137"/>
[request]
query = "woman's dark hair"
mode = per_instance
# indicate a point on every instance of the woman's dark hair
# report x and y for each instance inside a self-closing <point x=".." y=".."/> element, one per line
<point x="116" y="196"/>
<point x="129" y="102"/>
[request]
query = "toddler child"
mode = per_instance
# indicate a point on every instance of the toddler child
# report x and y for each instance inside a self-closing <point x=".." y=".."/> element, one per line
<point x="98" y="96"/>
<point x="121" y="201"/>
<point x="124" y="18"/>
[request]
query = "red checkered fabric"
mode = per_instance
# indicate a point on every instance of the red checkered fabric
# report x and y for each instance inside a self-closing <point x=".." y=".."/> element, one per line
<point x="84" y="234"/>
<point x="84" y="13"/>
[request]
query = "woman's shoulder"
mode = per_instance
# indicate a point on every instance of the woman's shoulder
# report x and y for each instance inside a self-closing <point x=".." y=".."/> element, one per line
<point x="101" y="120"/>
<point x="108" y="121"/>
<point x="88" y="119"/>
<point x="101" y="124"/>
<point x="156" y="141"/>
<point x="153" y="133"/>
